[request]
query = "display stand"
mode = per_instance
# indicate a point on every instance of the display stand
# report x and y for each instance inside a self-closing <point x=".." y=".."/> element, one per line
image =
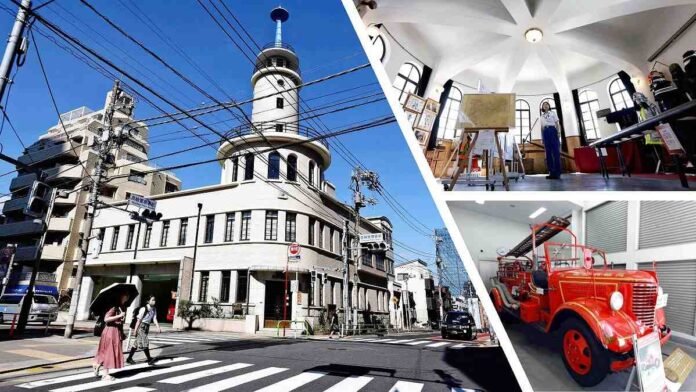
<point x="464" y="165"/>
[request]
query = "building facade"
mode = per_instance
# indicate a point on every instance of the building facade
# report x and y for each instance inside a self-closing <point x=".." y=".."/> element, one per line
<point x="229" y="242"/>
<point x="67" y="158"/>
<point x="415" y="277"/>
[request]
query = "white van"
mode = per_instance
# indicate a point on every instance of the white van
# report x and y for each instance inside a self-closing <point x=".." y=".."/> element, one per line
<point x="44" y="308"/>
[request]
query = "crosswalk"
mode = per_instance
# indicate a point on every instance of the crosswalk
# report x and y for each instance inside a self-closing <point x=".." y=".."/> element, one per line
<point x="429" y="343"/>
<point x="214" y="375"/>
<point x="178" y="338"/>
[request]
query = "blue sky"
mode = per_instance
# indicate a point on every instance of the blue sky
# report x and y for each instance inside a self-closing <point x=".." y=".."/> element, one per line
<point x="321" y="34"/>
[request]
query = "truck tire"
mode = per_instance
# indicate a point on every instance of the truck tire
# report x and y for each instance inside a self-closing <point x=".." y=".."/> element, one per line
<point x="444" y="335"/>
<point x="583" y="355"/>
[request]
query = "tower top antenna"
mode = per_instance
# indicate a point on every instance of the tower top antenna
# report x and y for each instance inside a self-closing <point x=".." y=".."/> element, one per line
<point x="279" y="15"/>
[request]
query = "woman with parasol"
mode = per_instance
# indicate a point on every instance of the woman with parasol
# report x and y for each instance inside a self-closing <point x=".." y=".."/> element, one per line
<point x="111" y="302"/>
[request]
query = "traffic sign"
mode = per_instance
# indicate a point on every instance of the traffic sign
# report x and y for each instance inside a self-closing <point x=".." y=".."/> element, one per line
<point x="142" y="202"/>
<point x="372" y="237"/>
<point x="294" y="252"/>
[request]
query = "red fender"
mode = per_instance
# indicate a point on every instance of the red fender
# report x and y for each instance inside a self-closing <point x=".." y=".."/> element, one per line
<point x="497" y="300"/>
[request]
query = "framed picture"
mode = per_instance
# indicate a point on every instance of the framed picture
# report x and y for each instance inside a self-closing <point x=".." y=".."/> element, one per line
<point x="414" y="103"/>
<point x="412" y="118"/>
<point x="422" y="137"/>
<point x="432" y="105"/>
<point x="426" y="120"/>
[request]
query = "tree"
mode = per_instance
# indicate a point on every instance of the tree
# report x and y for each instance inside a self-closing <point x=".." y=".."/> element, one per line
<point x="190" y="312"/>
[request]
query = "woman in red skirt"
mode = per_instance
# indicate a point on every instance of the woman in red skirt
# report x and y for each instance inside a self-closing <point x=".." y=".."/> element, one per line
<point x="110" y="351"/>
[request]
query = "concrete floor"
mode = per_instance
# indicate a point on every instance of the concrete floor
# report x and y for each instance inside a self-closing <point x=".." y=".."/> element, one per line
<point x="583" y="182"/>
<point x="541" y="360"/>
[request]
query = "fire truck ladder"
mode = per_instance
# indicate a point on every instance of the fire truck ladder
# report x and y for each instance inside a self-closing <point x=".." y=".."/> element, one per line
<point x="554" y="226"/>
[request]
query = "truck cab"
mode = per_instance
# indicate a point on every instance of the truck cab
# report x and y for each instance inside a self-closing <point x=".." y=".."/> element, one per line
<point x="596" y="310"/>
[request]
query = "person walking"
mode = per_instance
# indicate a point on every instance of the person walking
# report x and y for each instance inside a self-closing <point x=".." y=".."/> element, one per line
<point x="333" y="325"/>
<point x="110" y="352"/>
<point x="146" y="316"/>
<point x="550" y="127"/>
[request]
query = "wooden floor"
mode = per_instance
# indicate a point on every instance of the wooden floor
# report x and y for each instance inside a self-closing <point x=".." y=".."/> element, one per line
<point x="583" y="182"/>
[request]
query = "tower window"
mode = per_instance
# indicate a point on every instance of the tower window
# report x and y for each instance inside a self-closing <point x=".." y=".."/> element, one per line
<point x="280" y="103"/>
<point x="280" y="62"/>
<point x="248" y="167"/>
<point x="281" y="82"/>
<point x="279" y="127"/>
<point x="292" y="167"/>
<point x="274" y="166"/>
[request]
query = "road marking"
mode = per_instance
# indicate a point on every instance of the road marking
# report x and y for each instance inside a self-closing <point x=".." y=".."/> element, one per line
<point x="82" y="376"/>
<point x="135" y="389"/>
<point x="183" y="339"/>
<point x="405" y="386"/>
<point x="417" y="342"/>
<point x="460" y="389"/>
<point x="402" y="341"/>
<point x="350" y="384"/>
<point x="162" y="341"/>
<point x="460" y="346"/>
<point x="438" y="344"/>
<point x="238" y="380"/>
<point x="204" y="373"/>
<point x="293" y="383"/>
<point x="138" y="376"/>
<point x="383" y="340"/>
<point x="372" y="340"/>
<point x="27" y="352"/>
<point x="360" y="339"/>
<point x="178" y="340"/>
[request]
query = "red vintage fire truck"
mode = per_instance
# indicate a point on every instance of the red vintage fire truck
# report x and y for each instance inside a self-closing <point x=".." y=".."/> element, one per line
<point x="570" y="289"/>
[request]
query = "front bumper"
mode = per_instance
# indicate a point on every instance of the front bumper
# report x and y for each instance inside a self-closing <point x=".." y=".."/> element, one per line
<point x="623" y="361"/>
<point x="43" y="317"/>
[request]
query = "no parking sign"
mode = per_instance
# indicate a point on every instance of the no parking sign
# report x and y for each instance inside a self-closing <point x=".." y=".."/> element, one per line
<point x="294" y="252"/>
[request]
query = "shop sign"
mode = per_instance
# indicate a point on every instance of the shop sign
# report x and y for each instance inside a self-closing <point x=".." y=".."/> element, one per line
<point x="142" y="202"/>
<point x="372" y="237"/>
<point x="651" y="371"/>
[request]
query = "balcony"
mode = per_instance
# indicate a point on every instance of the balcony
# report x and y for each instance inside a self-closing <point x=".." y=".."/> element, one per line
<point x="53" y="252"/>
<point x="22" y="181"/>
<point x="35" y="156"/>
<point x="270" y="129"/>
<point x="29" y="253"/>
<point x="15" y="205"/>
<point x="64" y="172"/>
<point x="60" y="224"/>
<point x="21" y="229"/>
<point x="67" y="201"/>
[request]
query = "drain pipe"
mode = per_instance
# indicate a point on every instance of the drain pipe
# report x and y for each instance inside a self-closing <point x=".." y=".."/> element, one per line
<point x="195" y="251"/>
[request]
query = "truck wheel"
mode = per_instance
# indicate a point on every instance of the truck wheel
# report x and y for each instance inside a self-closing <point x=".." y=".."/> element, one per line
<point x="469" y="336"/>
<point x="584" y="357"/>
<point x="444" y="335"/>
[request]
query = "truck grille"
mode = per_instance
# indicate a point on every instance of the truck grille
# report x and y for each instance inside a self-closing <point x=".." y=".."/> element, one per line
<point x="643" y="303"/>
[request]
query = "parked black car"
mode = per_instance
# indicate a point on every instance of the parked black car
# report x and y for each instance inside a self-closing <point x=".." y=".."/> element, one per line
<point x="458" y="323"/>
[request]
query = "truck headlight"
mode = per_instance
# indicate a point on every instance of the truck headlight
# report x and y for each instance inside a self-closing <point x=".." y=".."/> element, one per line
<point x="616" y="301"/>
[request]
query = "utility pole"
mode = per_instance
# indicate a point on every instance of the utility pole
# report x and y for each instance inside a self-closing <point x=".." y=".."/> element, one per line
<point x="104" y="147"/>
<point x="346" y="275"/>
<point x="438" y="263"/>
<point x="16" y="44"/>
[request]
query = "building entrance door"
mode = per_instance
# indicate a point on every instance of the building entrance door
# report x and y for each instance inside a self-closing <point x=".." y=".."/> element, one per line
<point x="273" y="308"/>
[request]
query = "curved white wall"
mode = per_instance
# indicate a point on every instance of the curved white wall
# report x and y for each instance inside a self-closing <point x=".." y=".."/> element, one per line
<point x="265" y="110"/>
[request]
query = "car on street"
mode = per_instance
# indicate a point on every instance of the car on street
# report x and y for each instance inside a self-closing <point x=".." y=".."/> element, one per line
<point x="44" y="308"/>
<point x="458" y="323"/>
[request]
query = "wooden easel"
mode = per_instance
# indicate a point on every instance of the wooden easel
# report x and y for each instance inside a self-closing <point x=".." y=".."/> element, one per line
<point x="465" y="164"/>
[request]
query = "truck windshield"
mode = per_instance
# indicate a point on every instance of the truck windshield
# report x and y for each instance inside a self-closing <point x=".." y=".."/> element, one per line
<point x="44" y="299"/>
<point x="10" y="299"/>
<point x="568" y="256"/>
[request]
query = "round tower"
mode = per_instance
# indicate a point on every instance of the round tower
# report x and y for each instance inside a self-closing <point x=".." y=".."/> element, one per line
<point x="276" y="71"/>
<point x="275" y="119"/>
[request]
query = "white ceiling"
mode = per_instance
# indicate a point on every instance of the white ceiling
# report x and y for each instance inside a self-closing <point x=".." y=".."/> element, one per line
<point x="584" y="40"/>
<point x="518" y="211"/>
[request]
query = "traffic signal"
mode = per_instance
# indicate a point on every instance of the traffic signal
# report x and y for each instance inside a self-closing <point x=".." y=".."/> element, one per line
<point x="379" y="246"/>
<point x="147" y="216"/>
<point x="39" y="200"/>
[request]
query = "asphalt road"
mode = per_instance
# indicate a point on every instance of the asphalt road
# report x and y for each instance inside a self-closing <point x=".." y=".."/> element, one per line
<point x="212" y="362"/>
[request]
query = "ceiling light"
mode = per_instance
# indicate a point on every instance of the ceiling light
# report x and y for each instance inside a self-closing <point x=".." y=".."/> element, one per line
<point x="534" y="35"/>
<point x="538" y="212"/>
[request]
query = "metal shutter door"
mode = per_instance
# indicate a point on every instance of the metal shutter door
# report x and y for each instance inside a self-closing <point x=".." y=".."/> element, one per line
<point x="677" y="279"/>
<point x="666" y="223"/>
<point x="606" y="226"/>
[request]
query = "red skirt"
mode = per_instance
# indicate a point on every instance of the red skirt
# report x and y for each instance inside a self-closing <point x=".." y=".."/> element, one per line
<point x="110" y="350"/>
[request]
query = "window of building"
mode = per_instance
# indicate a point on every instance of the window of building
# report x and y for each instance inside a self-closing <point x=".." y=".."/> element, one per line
<point x="407" y="81"/>
<point x="379" y="261"/>
<point x="589" y="105"/>
<point x="331" y="239"/>
<point x="241" y="287"/>
<point x="102" y="234"/>
<point x="271" y="226"/>
<point x="203" y="289"/>
<point x="248" y="167"/>
<point x="321" y="235"/>
<point x="148" y="234"/>
<point x="183" y="227"/>
<point x="550" y="101"/>
<point x="279" y="127"/>
<point x="292" y="167"/>
<point x="169" y="187"/>
<point x="209" y="228"/>
<point x="448" y="119"/>
<point x="129" y="236"/>
<point x="620" y="98"/>
<point x="114" y="237"/>
<point x="136" y="176"/>
<point x="380" y="47"/>
<point x="290" y="227"/>
<point x="274" y="166"/>
<point x="366" y="258"/>
<point x="165" y="233"/>
<point x="310" y="234"/>
<point x="280" y="103"/>
<point x="246" y="221"/>
<point x="312" y="169"/>
<point x="225" y="286"/>
<point x="522" y="119"/>
<point x="229" y="227"/>
<point x="235" y="169"/>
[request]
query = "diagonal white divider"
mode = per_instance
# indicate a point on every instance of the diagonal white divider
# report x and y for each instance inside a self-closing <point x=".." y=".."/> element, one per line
<point x="90" y="374"/>
<point x="438" y="344"/>
<point x="293" y="383"/>
<point x="204" y="373"/>
<point x="139" y="376"/>
<point x="238" y="380"/>
<point x="350" y="384"/>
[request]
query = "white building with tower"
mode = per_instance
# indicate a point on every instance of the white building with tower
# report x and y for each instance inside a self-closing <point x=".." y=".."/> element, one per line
<point x="272" y="193"/>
